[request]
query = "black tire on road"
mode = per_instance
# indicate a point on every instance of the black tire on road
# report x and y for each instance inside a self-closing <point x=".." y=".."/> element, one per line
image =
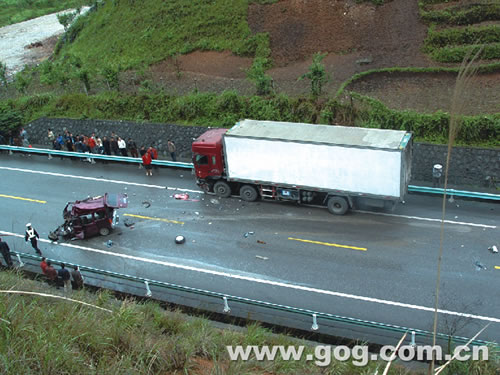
<point x="104" y="231"/>
<point x="248" y="193"/>
<point x="222" y="189"/>
<point x="337" y="205"/>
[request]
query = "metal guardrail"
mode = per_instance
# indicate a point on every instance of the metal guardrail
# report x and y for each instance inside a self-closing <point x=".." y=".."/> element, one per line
<point x="226" y="299"/>
<point x="165" y="163"/>
<point x="453" y="192"/>
<point x="84" y="155"/>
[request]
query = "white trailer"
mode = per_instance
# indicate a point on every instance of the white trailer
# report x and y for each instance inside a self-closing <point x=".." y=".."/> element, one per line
<point x="336" y="166"/>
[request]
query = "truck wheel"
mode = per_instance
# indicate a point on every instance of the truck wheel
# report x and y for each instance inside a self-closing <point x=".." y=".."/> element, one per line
<point x="104" y="231"/>
<point x="248" y="193"/>
<point x="337" y="205"/>
<point x="222" y="189"/>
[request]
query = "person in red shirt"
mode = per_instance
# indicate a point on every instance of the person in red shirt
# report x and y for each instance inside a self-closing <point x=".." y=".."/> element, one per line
<point x="154" y="154"/>
<point x="146" y="161"/>
<point x="91" y="144"/>
<point x="43" y="266"/>
<point x="51" y="274"/>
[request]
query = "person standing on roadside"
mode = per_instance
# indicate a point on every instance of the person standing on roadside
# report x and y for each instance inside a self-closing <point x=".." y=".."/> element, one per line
<point x="146" y="161"/>
<point x="106" y="144"/>
<point x="77" y="278"/>
<point x="43" y="266"/>
<point x="24" y="137"/>
<point x="122" y="146"/>
<point x="32" y="235"/>
<point x="50" y="136"/>
<point x="65" y="277"/>
<point x="51" y="273"/>
<point x="132" y="147"/>
<point x="171" y="149"/>
<point x="114" y="146"/>
<point x="154" y="155"/>
<point x="4" y="249"/>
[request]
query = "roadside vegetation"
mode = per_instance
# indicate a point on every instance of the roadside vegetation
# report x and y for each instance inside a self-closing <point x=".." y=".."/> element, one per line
<point x="456" y="31"/>
<point x="14" y="11"/>
<point x="45" y="335"/>
<point x="114" y="45"/>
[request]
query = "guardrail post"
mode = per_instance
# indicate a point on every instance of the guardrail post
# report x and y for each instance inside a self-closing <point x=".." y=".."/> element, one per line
<point x="148" y="291"/>
<point x="315" y="326"/>
<point x="412" y="342"/>
<point x="227" y="309"/>
<point x="21" y="263"/>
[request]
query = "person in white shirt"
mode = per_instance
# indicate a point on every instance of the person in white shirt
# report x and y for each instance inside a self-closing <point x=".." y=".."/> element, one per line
<point x="122" y="146"/>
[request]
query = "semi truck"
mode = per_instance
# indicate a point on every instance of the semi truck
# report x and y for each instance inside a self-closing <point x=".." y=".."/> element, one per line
<point x="339" y="167"/>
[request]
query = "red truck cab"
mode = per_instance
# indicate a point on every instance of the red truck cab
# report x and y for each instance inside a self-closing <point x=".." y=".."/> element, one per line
<point x="208" y="157"/>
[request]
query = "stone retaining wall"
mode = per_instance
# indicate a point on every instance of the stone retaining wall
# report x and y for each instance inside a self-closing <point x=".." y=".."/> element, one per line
<point x="469" y="166"/>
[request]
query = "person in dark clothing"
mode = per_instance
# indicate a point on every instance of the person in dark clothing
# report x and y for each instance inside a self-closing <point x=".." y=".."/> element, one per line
<point x="114" y="146"/>
<point x="69" y="142"/>
<point x="77" y="278"/>
<point x="106" y="145"/>
<point x="4" y="249"/>
<point x="65" y="277"/>
<point x="32" y="235"/>
<point x="132" y="146"/>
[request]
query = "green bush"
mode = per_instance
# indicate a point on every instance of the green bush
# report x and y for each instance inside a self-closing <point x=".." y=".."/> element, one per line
<point x="226" y="109"/>
<point x="468" y="35"/>
<point x="463" y="15"/>
<point x="457" y="54"/>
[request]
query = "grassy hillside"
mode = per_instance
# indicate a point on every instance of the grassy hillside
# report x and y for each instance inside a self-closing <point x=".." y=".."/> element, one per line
<point x="135" y="33"/>
<point x="14" y="11"/>
<point x="45" y="335"/>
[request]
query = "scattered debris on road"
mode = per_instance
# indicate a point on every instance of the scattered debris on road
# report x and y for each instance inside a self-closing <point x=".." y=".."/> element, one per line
<point x="479" y="266"/>
<point x="180" y="239"/>
<point x="262" y="242"/>
<point x="128" y="223"/>
<point x="493" y="249"/>
<point x="109" y="243"/>
<point x="214" y="201"/>
<point x="248" y="234"/>
<point x="146" y="204"/>
<point x="261" y="257"/>
<point x="183" y="197"/>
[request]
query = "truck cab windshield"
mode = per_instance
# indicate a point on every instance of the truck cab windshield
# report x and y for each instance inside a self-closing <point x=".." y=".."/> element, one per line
<point x="201" y="159"/>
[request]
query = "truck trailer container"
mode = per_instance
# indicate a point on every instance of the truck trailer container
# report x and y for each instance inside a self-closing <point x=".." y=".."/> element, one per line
<point x="339" y="167"/>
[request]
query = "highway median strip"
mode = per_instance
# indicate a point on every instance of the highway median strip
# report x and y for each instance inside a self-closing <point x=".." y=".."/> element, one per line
<point x="155" y="219"/>
<point x="328" y="244"/>
<point x="22" y="199"/>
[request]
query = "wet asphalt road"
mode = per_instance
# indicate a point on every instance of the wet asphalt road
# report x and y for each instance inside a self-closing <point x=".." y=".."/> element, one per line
<point x="397" y="266"/>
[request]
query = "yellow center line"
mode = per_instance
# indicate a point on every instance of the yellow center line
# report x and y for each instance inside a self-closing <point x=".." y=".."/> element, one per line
<point x="22" y="199"/>
<point x="155" y="218"/>
<point x="328" y="244"/>
<point x="497" y="267"/>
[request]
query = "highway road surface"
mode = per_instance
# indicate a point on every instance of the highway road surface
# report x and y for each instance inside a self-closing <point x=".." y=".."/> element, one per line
<point x="378" y="266"/>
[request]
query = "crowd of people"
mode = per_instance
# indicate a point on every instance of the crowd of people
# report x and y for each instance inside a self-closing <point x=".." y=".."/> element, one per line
<point x="113" y="145"/>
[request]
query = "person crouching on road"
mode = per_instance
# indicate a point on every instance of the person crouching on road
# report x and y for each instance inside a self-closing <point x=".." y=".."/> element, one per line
<point x="32" y="235"/>
<point x="146" y="161"/>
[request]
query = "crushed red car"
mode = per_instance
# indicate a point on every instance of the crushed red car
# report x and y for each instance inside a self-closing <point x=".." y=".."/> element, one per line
<point x="90" y="217"/>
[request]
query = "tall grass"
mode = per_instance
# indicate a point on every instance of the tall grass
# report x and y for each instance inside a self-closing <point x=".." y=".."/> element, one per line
<point x="41" y="335"/>
<point x="132" y="34"/>
<point x="14" y="11"/>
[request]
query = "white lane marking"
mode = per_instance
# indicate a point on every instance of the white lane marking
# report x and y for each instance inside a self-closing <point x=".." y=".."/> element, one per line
<point x="201" y="192"/>
<point x="270" y="282"/>
<point x="429" y="219"/>
<point x="99" y="179"/>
